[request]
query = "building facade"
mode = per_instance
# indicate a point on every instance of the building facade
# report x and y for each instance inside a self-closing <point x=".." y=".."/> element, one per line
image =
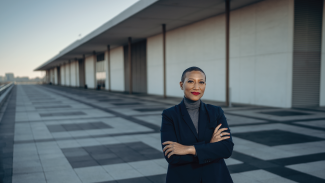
<point x="276" y="57"/>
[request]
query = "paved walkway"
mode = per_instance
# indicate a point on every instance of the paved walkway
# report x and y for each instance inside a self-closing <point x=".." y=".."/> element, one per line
<point x="58" y="134"/>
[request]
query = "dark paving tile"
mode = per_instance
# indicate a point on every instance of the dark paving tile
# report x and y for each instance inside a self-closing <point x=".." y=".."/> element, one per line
<point x="131" y="103"/>
<point x="52" y="102"/>
<point x="53" y="107"/>
<point x="109" y="154"/>
<point x="78" y="126"/>
<point x="109" y="100"/>
<point x="147" y="179"/>
<point x="100" y="157"/>
<point x="75" y="154"/>
<point x="157" y="178"/>
<point x="299" y="159"/>
<point x="149" y="109"/>
<point x="110" y="161"/>
<point x="276" y="137"/>
<point x="80" y="164"/>
<point x="135" y="180"/>
<point x="285" y="113"/>
<point x="79" y="158"/>
<point x="55" y="128"/>
<point x="62" y="114"/>
<point x="294" y="175"/>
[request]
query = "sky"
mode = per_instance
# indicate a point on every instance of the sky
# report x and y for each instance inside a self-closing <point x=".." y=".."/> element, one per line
<point x="33" y="31"/>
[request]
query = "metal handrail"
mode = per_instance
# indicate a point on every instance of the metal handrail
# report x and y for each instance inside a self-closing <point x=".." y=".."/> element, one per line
<point x="4" y="88"/>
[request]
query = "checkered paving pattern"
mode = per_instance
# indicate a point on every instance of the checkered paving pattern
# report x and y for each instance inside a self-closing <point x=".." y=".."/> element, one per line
<point x="59" y="134"/>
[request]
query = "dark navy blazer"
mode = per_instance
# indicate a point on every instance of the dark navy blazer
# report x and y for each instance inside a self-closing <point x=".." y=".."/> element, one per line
<point x="209" y="165"/>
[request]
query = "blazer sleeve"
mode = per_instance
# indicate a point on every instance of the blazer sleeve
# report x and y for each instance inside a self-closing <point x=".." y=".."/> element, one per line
<point x="168" y="133"/>
<point x="208" y="152"/>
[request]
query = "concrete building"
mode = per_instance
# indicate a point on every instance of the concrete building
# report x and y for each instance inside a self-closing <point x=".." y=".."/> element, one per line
<point x="267" y="53"/>
<point x="10" y="77"/>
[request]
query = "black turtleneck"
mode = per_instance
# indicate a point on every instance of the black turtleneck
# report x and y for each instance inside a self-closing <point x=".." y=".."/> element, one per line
<point x="193" y="110"/>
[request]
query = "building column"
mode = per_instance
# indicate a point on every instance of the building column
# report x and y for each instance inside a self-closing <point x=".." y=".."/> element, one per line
<point x="76" y="70"/>
<point x="130" y="63"/>
<point x="95" y="69"/>
<point x="108" y="73"/>
<point x="69" y="73"/>
<point x="227" y="51"/>
<point x="164" y="57"/>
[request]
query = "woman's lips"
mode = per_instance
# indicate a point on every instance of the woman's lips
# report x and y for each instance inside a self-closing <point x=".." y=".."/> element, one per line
<point x="195" y="93"/>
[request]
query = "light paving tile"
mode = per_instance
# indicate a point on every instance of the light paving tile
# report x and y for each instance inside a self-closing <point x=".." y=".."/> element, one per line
<point x="148" y="168"/>
<point x="258" y="176"/>
<point x="62" y="176"/>
<point x="316" y="123"/>
<point x="316" y="168"/>
<point x="29" y="178"/>
<point x="93" y="174"/>
<point x="232" y="161"/>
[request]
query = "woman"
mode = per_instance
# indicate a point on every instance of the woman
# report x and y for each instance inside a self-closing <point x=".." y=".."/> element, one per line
<point x="195" y="136"/>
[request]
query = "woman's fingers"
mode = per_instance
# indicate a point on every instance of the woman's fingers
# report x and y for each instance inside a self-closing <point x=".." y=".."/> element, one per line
<point x="170" y="154"/>
<point x="168" y="150"/>
<point x="167" y="142"/>
<point x="166" y="147"/>
<point x="221" y="130"/>
<point x="226" y="137"/>
<point x="216" y="129"/>
<point x="224" y="133"/>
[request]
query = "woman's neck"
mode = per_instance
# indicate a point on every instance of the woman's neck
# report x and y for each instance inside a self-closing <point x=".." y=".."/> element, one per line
<point x="191" y="104"/>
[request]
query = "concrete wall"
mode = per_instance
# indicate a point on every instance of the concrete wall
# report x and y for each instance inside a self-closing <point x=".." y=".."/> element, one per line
<point x="322" y="79"/>
<point x="117" y="69"/>
<point x="200" y="44"/>
<point x="74" y="74"/>
<point x="67" y="75"/>
<point x="261" y="46"/>
<point x="155" y="80"/>
<point x="106" y="70"/>
<point x="62" y="72"/>
<point x="90" y="71"/>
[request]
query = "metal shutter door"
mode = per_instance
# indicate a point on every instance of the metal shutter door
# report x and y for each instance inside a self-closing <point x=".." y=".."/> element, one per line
<point x="307" y="52"/>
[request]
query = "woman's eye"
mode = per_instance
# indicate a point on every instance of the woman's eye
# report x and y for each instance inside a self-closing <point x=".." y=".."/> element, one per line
<point x="202" y="82"/>
<point x="190" y="81"/>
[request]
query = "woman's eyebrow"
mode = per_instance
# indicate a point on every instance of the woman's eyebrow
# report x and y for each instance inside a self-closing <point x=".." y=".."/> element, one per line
<point x="193" y="78"/>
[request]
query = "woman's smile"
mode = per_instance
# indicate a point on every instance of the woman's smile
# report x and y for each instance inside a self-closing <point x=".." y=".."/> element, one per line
<point x="195" y="93"/>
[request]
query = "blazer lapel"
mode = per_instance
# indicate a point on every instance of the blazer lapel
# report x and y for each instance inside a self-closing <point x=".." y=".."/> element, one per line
<point x="203" y="121"/>
<point x="188" y="119"/>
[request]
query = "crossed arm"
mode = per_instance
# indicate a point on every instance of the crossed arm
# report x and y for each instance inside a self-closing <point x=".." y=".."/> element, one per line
<point x="220" y="145"/>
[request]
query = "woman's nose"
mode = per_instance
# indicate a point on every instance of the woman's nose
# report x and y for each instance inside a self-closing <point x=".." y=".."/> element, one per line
<point x="196" y="86"/>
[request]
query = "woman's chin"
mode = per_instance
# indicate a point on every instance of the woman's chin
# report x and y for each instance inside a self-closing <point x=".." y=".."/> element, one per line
<point x="195" y="97"/>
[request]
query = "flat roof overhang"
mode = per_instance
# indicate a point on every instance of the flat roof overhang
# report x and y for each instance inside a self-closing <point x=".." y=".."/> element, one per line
<point x="140" y="21"/>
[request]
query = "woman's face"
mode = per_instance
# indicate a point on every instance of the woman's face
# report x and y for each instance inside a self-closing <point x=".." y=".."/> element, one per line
<point x="194" y="85"/>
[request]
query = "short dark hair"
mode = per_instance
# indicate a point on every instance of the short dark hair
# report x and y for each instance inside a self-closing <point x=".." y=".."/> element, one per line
<point x="190" y="69"/>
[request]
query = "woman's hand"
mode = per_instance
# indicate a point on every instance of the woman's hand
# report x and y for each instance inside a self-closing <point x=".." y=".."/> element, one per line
<point x="176" y="148"/>
<point x="218" y="136"/>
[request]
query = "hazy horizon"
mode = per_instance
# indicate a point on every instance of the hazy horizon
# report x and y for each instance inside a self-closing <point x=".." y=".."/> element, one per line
<point x="34" y="31"/>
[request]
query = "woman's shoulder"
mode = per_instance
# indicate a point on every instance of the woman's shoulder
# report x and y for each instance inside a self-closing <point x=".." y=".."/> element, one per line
<point x="213" y="107"/>
<point x="170" y="110"/>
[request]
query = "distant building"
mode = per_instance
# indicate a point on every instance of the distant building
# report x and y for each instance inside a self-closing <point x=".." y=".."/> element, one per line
<point x="22" y="79"/>
<point x="10" y="77"/>
<point x="3" y="78"/>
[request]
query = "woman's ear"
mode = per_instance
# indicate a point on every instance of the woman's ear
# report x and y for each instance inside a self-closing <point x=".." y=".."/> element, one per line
<point x="181" y="85"/>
